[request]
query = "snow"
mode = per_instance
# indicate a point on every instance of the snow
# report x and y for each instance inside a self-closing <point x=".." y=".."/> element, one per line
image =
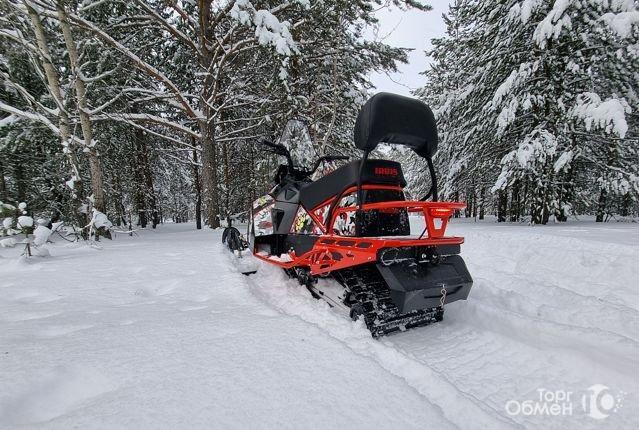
<point x="608" y="114"/>
<point x="516" y="78"/>
<point x="553" y="24"/>
<point x="622" y="23"/>
<point x="269" y="30"/>
<point x="563" y="160"/>
<point x="9" y="242"/>
<point x="164" y="332"/>
<point x="100" y="220"/>
<point x="8" y="120"/>
<point x="41" y="234"/>
<point x="524" y="10"/>
<point x="71" y="182"/>
<point x="25" y="221"/>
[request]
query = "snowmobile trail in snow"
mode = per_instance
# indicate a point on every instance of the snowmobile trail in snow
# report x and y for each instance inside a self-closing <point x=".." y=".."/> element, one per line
<point x="541" y="322"/>
<point x="291" y="299"/>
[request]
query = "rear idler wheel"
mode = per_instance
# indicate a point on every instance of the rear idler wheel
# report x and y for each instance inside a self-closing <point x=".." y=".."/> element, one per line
<point x="357" y="310"/>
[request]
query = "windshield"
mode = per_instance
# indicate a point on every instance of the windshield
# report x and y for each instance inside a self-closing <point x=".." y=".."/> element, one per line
<point x="297" y="139"/>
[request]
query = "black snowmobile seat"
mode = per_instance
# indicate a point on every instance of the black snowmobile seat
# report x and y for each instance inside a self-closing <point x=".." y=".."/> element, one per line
<point x="395" y="119"/>
<point x="382" y="172"/>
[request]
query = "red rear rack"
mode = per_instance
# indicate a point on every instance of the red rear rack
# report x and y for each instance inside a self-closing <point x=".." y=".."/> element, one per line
<point x="333" y="252"/>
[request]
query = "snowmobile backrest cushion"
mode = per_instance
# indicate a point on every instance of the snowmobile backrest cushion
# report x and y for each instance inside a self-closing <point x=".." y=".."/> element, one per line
<point x="382" y="172"/>
<point x="395" y="119"/>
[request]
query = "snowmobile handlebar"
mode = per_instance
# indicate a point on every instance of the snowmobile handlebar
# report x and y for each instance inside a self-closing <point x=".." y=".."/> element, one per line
<point x="279" y="149"/>
<point x="327" y="158"/>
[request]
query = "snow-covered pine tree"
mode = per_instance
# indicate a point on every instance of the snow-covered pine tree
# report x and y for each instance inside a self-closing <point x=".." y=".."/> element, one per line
<point x="173" y="104"/>
<point x="543" y="86"/>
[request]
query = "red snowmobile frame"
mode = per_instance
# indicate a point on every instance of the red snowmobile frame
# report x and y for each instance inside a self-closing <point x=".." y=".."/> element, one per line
<point x="335" y="252"/>
<point x="353" y="224"/>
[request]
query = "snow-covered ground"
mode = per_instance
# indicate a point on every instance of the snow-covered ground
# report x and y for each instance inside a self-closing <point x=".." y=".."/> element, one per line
<point x="163" y="331"/>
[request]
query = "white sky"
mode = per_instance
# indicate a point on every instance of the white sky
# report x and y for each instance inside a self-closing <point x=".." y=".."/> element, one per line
<point x="411" y="29"/>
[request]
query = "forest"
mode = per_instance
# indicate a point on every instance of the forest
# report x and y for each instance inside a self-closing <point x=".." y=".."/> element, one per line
<point x="136" y="112"/>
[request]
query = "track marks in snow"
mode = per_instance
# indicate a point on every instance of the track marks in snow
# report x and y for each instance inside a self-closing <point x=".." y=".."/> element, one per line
<point x="192" y="308"/>
<point x="32" y="296"/>
<point x="540" y="330"/>
<point x="28" y="316"/>
<point x="57" y="392"/>
<point x="552" y="302"/>
<point x="524" y="327"/>
<point x="62" y="330"/>
<point x="456" y="406"/>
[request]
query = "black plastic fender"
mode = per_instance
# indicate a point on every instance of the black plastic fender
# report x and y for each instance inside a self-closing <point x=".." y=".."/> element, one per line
<point x="417" y="286"/>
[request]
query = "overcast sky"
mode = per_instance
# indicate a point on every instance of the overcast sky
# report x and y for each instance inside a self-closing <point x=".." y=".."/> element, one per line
<point x="412" y="29"/>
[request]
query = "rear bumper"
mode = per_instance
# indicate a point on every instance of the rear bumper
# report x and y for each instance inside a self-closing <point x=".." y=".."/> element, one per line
<point x="417" y="286"/>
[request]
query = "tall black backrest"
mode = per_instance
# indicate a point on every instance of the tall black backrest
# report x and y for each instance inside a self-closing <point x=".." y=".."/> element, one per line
<point x="399" y="120"/>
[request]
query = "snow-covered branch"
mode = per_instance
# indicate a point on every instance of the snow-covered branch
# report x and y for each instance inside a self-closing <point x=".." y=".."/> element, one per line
<point x="145" y="117"/>
<point x="138" y="62"/>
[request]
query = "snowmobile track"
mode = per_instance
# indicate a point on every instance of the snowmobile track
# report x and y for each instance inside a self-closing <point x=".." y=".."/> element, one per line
<point x="371" y="297"/>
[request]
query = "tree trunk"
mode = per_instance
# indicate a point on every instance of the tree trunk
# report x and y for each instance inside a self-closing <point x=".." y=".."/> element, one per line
<point x="148" y="181"/>
<point x="502" y="205"/>
<point x="538" y="208"/>
<point x="482" y="198"/>
<point x="139" y="197"/>
<point x="53" y="83"/>
<point x="97" y="187"/>
<point x="119" y="206"/>
<point x="227" y="184"/>
<point x="146" y="201"/>
<point x="515" y="211"/>
<point x="198" y="194"/>
<point x="626" y="201"/>
<point x="475" y="204"/>
<point x="21" y="187"/>
<point x="147" y="175"/>
<point x="3" y="184"/>
<point x="601" y="205"/>
<point x="209" y="191"/>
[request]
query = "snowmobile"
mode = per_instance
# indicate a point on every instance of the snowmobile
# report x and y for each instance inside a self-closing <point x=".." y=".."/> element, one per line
<point x="353" y="225"/>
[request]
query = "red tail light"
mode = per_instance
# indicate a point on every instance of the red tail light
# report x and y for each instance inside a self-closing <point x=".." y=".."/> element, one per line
<point x="440" y="212"/>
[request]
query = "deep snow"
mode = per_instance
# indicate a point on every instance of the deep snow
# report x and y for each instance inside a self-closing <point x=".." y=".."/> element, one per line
<point x="162" y="331"/>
